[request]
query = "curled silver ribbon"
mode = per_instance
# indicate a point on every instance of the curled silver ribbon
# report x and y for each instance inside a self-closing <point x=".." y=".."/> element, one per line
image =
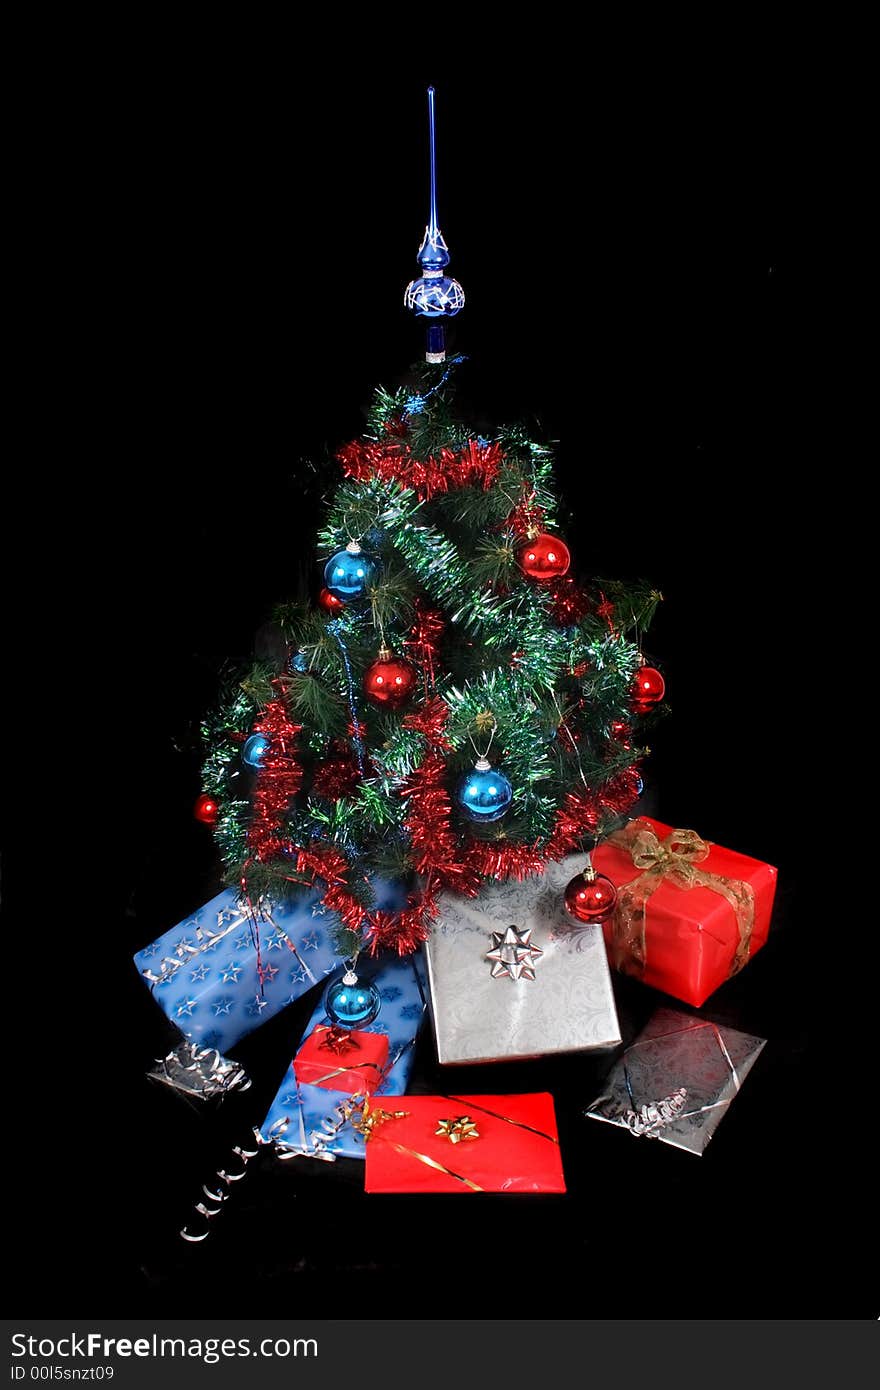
<point x="199" y="1072"/>
<point x="649" y="1119"/>
<point x="208" y="1213"/>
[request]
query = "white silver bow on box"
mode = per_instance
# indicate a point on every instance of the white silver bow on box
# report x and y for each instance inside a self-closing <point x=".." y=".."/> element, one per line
<point x="512" y="976"/>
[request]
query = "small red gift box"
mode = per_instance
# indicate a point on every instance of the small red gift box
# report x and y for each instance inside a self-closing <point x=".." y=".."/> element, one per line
<point x="466" y="1144"/>
<point x="342" y="1061"/>
<point x="689" y="914"/>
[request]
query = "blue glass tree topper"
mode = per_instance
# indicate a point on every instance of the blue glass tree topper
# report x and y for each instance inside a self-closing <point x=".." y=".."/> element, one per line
<point x="434" y="295"/>
<point x="485" y="793"/>
<point x="350" y="1002"/>
<point x="255" y="750"/>
<point x="348" y="573"/>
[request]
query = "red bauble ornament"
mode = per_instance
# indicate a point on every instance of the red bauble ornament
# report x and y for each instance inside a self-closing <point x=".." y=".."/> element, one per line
<point x="649" y="687"/>
<point x="329" y="602"/>
<point x="206" y="809"/>
<point x="390" y="679"/>
<point x="543" y="557"/>
<point x="590" y="899"/>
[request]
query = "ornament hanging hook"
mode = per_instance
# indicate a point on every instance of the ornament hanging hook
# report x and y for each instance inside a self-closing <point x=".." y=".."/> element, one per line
<point x="483" y="757"/>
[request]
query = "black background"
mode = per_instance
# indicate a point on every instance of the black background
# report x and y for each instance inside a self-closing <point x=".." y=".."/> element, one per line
<point x="627" y="242"/>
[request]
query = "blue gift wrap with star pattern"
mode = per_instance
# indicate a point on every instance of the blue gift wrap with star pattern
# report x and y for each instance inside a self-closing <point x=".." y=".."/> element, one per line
<point x="204" y="973"/>
<point x="308" y="1120"/>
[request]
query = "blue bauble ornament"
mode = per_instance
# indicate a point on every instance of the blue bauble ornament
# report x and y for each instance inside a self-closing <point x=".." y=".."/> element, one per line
<point x="255" y="750"/>
<point x="348" y="573"/>
<point x="350" y="1002"/>
<point x="485" y="793"/>
<point x="298" y="661"/>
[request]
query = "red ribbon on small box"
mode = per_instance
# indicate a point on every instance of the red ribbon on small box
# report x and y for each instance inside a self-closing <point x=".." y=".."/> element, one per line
<point x="467" y="1144"/>
<point x="689" y="913"/>
<point x="339" y="1060"/>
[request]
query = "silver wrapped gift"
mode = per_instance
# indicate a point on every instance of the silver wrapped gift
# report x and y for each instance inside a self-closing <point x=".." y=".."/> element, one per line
<point x="499" y="994"/>
<point x="677" y="1080"/>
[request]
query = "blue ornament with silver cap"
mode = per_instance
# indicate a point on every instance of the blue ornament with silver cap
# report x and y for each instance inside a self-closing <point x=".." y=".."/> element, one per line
<point x="434" y="295"/>
<point x="255" y="750"/>
<point x="348" y="573"/>
<point x="484" y="794"/>
<point x="350" y="1002"/>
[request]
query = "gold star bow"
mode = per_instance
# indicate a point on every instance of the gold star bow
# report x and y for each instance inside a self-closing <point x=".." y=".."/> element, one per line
<point x="458" y="1130"/>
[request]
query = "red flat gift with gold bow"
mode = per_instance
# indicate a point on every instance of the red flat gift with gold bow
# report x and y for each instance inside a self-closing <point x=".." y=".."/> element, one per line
<point x="465" y="1144"/>
<point x="689" y="914"/>
<point x="341" y="1060"/>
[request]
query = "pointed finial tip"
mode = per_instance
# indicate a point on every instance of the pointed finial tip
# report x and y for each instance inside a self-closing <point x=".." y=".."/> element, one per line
<point x="430" y="91"/>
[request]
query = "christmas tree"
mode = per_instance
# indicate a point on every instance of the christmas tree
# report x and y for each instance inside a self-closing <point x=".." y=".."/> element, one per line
<point x="456" y="706"/>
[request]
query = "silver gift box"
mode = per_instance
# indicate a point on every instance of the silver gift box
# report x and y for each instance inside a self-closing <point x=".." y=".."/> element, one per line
<point x="677" y="1080"/>
<point x="567" y="1007"/>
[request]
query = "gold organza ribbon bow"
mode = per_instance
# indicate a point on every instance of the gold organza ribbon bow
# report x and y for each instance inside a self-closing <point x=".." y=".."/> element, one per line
<point x="673" y="860"/>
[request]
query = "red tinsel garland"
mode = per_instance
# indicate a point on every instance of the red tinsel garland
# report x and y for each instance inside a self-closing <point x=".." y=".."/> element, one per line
<point x="500" y="860"/>
<point x="423" y="643"/>
<point x="435" y="846"/>
<point x="568" y="601"/>
<point x="476" y="465"/>
<point x="402" y="931"/>
<point x="324" y="860"/>
<point x="338" y="775"/>
<point x="605" y="609"/>
<point x="278" y="780"/>
<point x="580" y="813"/>
<point x="526" y="516"/>
<point x="430" y="721"/>
<point x="438" y="853"/>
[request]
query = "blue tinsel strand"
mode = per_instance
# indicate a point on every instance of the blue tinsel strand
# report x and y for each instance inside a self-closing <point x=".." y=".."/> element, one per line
<point x="352" y="705"/>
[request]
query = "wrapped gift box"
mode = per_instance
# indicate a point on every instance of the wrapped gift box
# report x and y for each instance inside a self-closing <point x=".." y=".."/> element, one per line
<point x="203" y="972"/>
<point x="318" y="1122"/>
<point x="467" y="1144"/>
<point x="691" y="934"/>
<point x="567" y="1007"/>
<point x="339" y="1061"/>
<point x="677" y="1080"/>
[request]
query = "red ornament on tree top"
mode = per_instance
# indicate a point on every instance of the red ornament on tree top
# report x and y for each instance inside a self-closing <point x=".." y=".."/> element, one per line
<point x="543" y="557"/>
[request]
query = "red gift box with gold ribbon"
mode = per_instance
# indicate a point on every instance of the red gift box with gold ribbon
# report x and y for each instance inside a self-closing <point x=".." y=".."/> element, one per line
<point x="341" y="1060"/>
<point x="689" y="914"/>
<point x="464" y="1144"/>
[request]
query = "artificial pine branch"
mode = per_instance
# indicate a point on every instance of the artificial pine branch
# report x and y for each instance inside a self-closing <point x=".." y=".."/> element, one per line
<point x="257" y="684"/>
<point x="311" y="701"/>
